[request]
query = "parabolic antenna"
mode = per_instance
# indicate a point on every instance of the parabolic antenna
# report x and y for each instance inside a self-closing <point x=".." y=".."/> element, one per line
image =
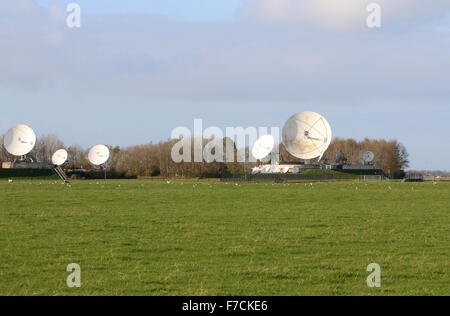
<point x="60" y="157"/>
<point x="368" y="156"/>
<point x="98" y="155"/>
<point x="263" y="147"/>
<point x="307" y="135"/>
<point x="19" y="140"/>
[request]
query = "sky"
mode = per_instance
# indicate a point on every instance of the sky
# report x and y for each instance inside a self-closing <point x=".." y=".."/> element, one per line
<point x="137" y="69"/>
<point x="179" y="10"/>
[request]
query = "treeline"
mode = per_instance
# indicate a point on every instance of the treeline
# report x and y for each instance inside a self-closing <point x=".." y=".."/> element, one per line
<point x="391" y="156"/>
<point x="156" y="159"/>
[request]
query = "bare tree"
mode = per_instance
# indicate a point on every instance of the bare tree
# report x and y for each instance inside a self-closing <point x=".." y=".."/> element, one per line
<point x="77" y="157"/>
<point x="46" y="147"/>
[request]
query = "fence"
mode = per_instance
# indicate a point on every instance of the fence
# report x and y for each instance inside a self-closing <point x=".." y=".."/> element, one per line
<point x="276" y="177"/>
<point x="372" y="178"/>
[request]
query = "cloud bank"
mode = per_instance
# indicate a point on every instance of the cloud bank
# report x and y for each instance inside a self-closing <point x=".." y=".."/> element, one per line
<point x="341" y="15"/>
<point x="312" y="52"/>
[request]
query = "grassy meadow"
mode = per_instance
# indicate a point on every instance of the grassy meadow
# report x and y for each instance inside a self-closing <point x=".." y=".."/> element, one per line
<point x="191" y="237"/>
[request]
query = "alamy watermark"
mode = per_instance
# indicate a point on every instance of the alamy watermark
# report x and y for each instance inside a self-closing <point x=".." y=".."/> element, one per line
<point x="74" y="18"/>
<point x="74" y="278"/>
<point x="374" y="279"/>
<point x="215" y="144"/>
<point x="374" y="18"/>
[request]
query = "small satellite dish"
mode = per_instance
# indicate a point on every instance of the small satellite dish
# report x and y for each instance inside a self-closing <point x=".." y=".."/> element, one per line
<point x="98" y="155"/>
<point x="307" y="135"/>
<point x="60" y="157"/>
<point x="19" y="140"/>
<point x="263" y="147"/>
<point x="368" y="156"/>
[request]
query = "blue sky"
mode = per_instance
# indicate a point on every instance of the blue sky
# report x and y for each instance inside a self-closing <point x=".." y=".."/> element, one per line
<point x="135" y="70"/>
<point x="183" y="10"/>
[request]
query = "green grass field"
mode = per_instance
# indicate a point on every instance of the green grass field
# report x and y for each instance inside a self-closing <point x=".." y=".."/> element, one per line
<point x="208" y="238"/>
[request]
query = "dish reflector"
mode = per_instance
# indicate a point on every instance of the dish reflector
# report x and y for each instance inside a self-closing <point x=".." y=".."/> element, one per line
<point x="263" y="147"/>
<point x="98" y="155"/>
<point x="307" y="135"/>
<point x="60" y="157"/>
<point x="19" y="140"/>
<point x="368" y="156"/>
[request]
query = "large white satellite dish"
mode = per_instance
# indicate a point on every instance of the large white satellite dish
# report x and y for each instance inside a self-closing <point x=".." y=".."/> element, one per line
<point x="19" y="140"/>
<point x="98" y="155"/>
<point x="60" y="157"/>
<point x="263" y="147"/>
<point x="307" y="135"/>
<point x="368" y="156"/>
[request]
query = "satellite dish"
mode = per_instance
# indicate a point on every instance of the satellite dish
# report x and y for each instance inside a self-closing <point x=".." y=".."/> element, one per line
<point x="19" y="140"/>
<point x="98" y="155"/>
<point x="263" y="147"/>
<point x="307" y="135"/>
<point x="60" y="157"/>
<point x="368" y="156"/>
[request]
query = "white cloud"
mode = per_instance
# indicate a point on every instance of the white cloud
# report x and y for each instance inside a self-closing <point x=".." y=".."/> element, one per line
<point x="340" y="15"/>
<point x="152" y="56"/>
